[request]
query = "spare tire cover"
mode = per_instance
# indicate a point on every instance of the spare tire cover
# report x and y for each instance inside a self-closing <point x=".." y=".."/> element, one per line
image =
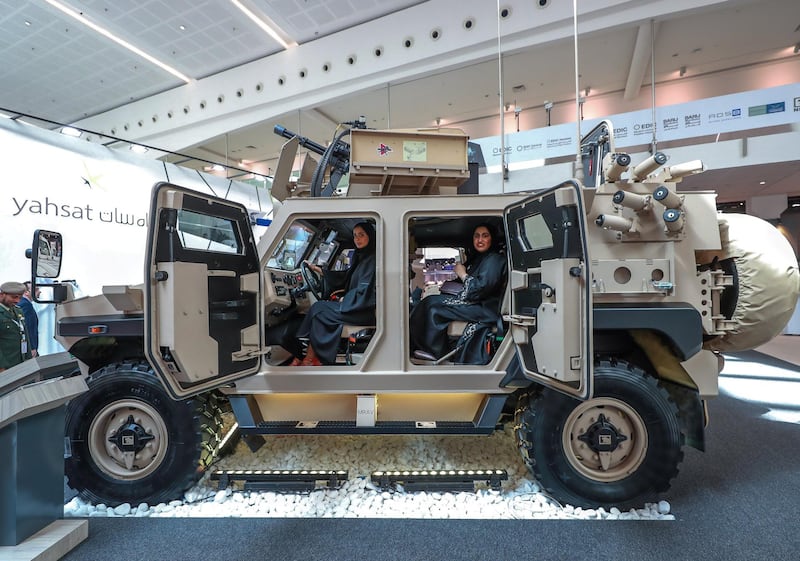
<point x="768" y="281"/>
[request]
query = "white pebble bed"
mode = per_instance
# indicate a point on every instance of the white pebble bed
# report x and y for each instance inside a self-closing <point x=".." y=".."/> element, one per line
<point x="519" y="498"/>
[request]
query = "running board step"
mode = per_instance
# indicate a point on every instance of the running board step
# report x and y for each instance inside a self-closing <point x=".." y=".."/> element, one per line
<point x="251" y="422"/>
<point x="350" y="427"/>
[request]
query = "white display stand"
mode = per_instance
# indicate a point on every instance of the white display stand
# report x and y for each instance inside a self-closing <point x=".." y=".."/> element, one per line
<point x="32" y="404"/>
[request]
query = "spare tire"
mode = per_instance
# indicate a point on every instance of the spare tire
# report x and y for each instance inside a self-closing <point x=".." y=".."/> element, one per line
<point x="766" y="282"/>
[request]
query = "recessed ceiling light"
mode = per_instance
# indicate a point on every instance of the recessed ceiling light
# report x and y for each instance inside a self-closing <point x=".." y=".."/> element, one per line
<point x="70" y="131"/>
<point x="762" y="182"/>
<point x="27" y="23"/>
<point x="182" y="27"/>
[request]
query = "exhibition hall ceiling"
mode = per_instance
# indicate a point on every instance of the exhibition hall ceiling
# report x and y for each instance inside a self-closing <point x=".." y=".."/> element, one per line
<point x="56" y="67"/>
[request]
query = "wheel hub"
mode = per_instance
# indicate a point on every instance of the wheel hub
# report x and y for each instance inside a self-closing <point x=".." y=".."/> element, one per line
<point x="128" y="439"/>
<point x="602" y="436"/>
<point x="604" y="439"/>
<point x="131" y="436"/>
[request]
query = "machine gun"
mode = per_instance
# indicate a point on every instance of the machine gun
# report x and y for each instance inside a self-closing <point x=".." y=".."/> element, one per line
<point x="336" y="155"/>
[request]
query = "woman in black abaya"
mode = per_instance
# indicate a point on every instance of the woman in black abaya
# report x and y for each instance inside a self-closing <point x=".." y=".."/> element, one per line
<point x="356" y="306"/>
<point x="478" y="303"/>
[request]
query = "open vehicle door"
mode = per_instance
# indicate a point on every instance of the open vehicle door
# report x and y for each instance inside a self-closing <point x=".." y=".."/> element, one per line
<point x="551" y="292"/>
<point x="202" y="282"/>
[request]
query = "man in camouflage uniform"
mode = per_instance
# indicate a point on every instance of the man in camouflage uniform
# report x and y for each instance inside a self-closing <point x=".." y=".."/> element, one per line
<point x="14" y="347"/>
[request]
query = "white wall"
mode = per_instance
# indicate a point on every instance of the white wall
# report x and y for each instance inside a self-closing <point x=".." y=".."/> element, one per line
<point x="96" y="197"/>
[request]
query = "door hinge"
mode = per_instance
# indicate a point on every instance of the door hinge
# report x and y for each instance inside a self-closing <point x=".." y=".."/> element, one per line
<point x="247" y="354"/>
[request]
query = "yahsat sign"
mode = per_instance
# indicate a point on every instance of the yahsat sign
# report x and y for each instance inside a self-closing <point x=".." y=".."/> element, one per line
<point x="96" y="197"/>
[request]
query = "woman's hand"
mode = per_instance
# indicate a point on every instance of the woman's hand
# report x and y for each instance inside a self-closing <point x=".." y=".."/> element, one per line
<point x="316" y="268"/>
<point x="337" y="294"/>
<point x="460" y="270"/>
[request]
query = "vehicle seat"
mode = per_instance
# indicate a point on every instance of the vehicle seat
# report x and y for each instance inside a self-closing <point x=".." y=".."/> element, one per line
<point x="355" y="339"/>
<point x="348" y="330"/>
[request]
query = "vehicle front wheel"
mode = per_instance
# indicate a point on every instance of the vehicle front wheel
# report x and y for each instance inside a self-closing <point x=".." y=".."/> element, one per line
<point x="130" y="442"/>
<point x="620" y="448"/>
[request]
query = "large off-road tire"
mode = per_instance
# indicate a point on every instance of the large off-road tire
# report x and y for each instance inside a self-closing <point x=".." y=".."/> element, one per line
<point x="132" y="443"/>
<point x="620" y="448"/>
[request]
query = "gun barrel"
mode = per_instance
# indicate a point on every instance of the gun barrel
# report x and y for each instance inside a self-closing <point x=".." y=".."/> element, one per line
<point x="304" y="142"/>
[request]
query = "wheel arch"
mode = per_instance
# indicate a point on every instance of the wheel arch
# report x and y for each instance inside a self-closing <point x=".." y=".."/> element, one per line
<point x="656" y="352"/>
<point x="97" y="352"/>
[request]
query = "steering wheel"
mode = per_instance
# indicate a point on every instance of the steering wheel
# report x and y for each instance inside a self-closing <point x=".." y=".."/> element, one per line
<point x="314" y="281"/>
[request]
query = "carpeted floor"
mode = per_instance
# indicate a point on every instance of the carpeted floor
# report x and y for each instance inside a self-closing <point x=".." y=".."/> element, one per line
<point x="736" y="501"/>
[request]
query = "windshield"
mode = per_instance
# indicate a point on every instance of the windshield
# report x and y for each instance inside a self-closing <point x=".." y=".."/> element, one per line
<point x="290" y="251"/>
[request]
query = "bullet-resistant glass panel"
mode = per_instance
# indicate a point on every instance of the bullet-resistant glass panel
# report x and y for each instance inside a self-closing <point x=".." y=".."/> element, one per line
<point x="208" y="233"/>
<point x="534" y="233"/>
<point x="292" y="249"/>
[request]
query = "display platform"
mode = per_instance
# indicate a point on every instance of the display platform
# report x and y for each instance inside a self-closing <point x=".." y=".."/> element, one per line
<point x="50" y="543"/>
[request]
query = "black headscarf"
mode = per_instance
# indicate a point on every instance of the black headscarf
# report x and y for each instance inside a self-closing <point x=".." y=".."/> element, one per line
<point x="369" y="229"/>
<point x="475" y="257"/>
<point x="369" y="249"/>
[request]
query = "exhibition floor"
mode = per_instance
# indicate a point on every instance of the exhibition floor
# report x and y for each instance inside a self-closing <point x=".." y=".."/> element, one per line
<point x="735" y="501"/>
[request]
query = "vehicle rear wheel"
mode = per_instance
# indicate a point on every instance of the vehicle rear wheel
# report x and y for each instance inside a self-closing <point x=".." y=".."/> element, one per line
<point x="620" y="448"/>
<point x="130" y="442"/>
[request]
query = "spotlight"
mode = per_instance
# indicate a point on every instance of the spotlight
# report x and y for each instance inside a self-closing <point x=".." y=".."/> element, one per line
<point x="649" y="165"/>
<point x="280" y="480"/>
<point x="615" y="164"/>
<point x="445" y="480"/>
<point x="673" y="220"/>
<point x="668" y="198"/>
<point x="613" y="222"/>
<point x="632" y="201"/>
<point x="679" y="171"/>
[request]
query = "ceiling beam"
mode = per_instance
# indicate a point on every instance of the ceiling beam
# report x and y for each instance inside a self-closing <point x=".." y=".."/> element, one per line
<point x="640" y="61"/>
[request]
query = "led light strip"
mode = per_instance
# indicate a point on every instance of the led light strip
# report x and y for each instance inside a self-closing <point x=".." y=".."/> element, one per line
<point x="102" y="31"/>
<point x="262" y="24"/>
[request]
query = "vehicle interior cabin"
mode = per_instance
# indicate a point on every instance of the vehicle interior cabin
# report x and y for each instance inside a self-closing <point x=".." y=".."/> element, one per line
<point x="431" y="248"/>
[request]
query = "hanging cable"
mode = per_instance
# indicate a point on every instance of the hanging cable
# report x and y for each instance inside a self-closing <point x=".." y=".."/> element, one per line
<point x="578" y="172"/>
<point x="654" y="145"/>
<point x="503" y="168"/>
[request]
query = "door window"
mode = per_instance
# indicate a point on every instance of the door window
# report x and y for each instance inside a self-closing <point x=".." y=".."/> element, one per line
<point x="207" y="233"/>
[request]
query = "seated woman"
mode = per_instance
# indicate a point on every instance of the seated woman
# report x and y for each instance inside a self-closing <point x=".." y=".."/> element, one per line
<point x="478" y="303"/>
<point x="355" y="304"/>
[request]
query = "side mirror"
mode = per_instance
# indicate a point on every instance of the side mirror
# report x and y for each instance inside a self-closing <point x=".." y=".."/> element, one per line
<point x="45" y="256"/>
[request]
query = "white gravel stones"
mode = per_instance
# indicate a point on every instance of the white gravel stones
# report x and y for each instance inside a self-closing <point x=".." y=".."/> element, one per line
<point x="122" y="510"/>
<point x="358" y="497"/>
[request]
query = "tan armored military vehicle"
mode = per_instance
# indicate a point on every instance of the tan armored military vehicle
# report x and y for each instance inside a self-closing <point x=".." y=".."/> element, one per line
<point x="621" y="291"/>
